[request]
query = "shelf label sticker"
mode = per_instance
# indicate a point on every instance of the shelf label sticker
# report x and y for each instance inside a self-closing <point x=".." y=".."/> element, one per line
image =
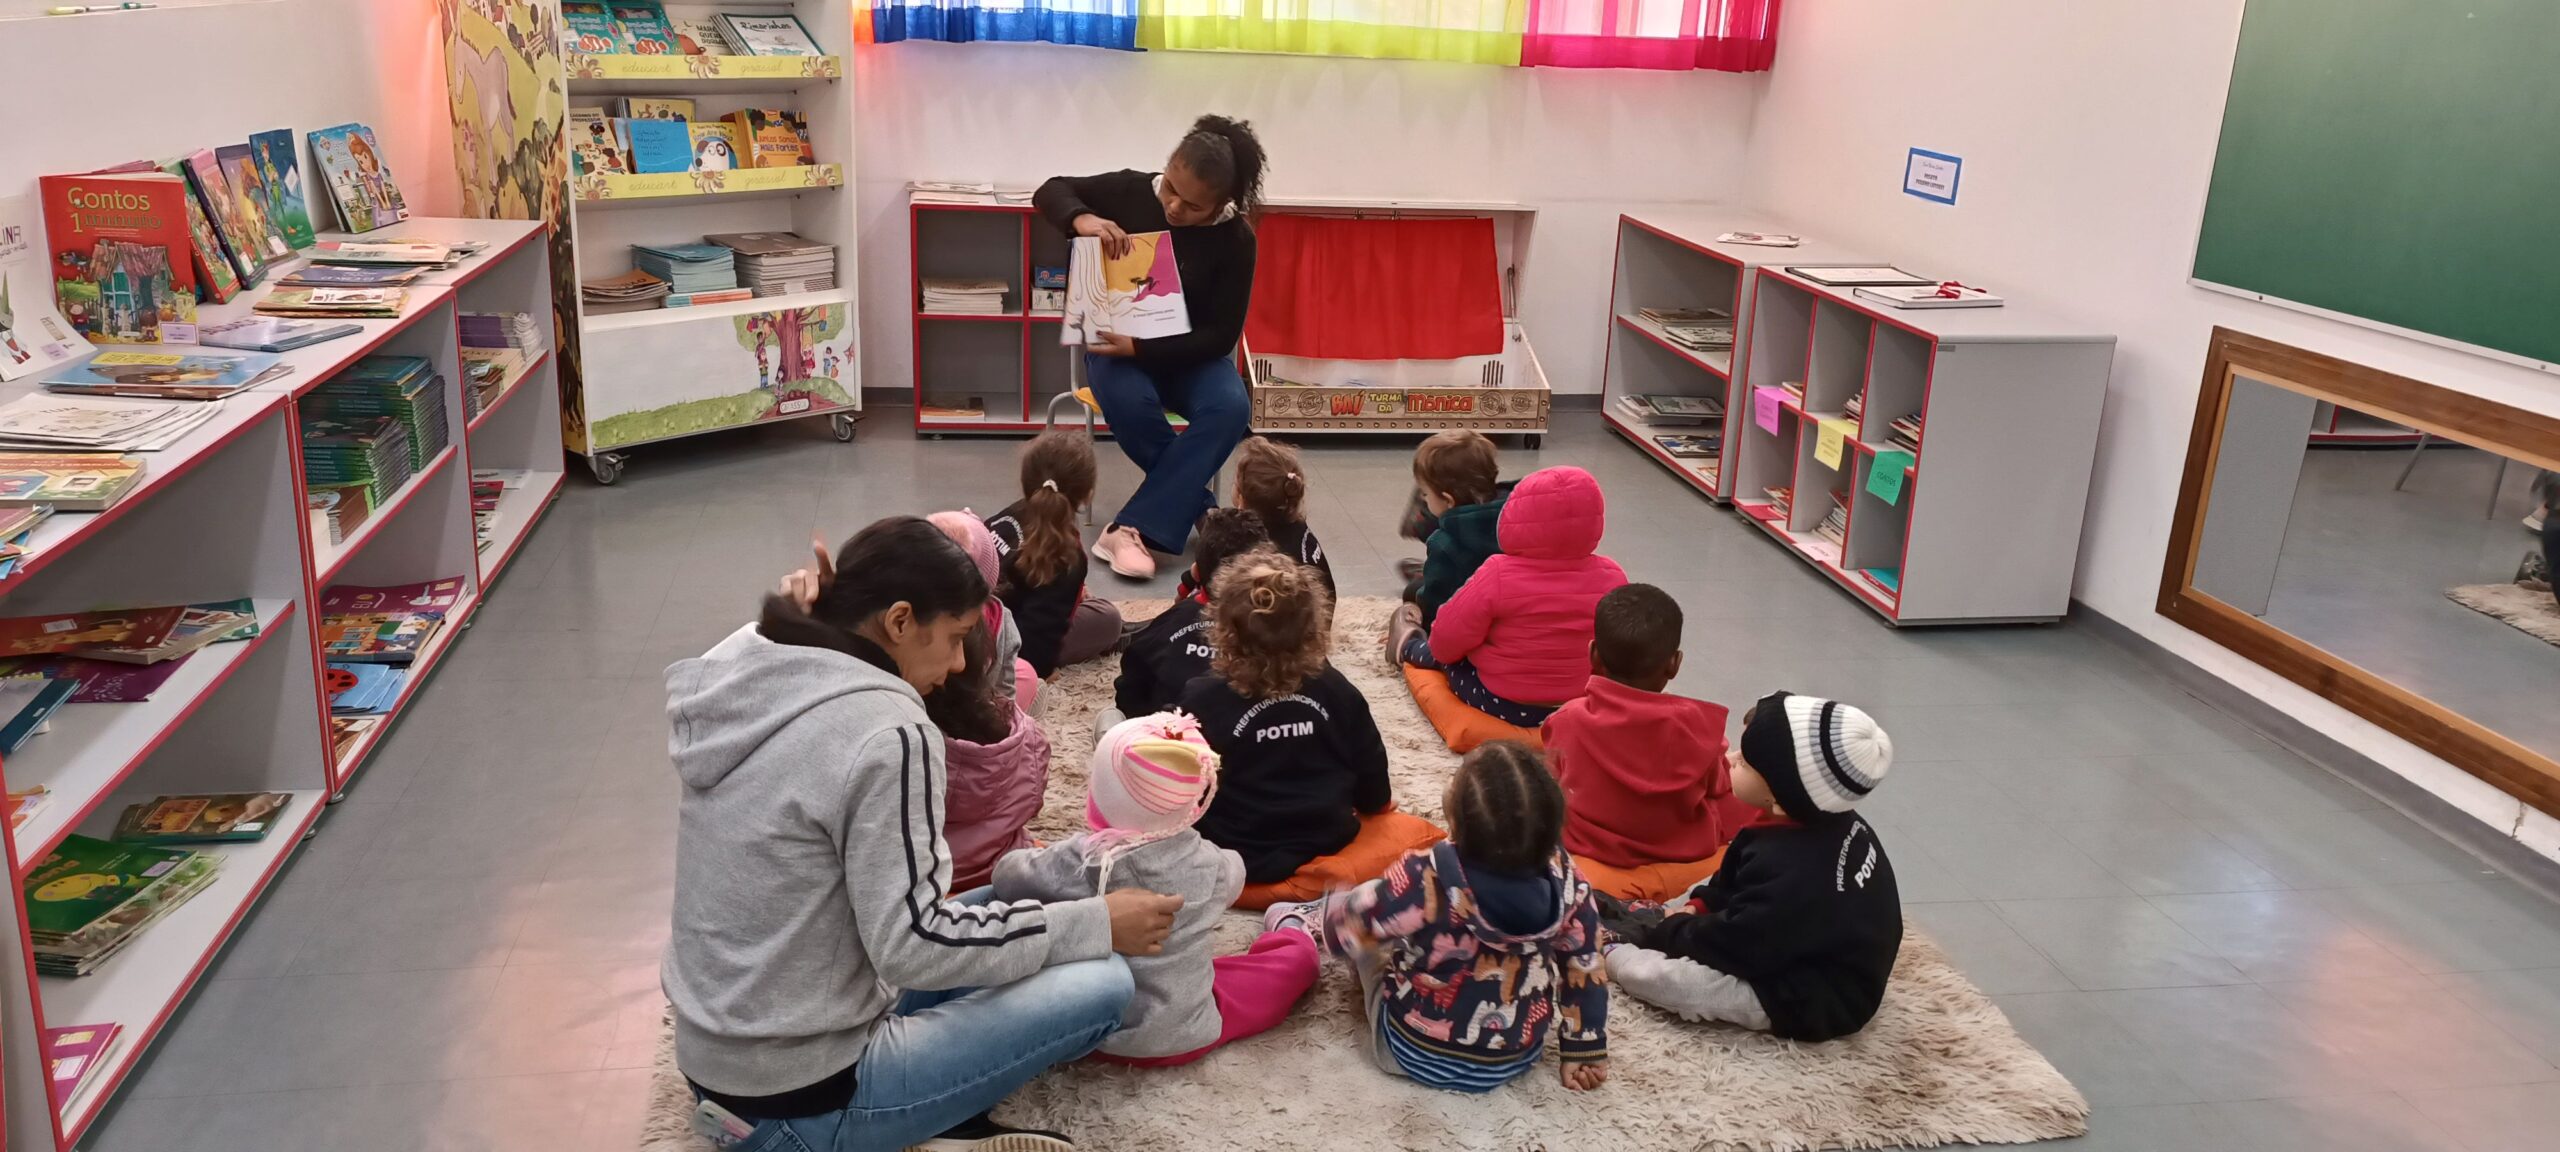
<point x="1831" y="440"/>
<point x="1765" y="401"/>
<point x="1885" y="473"/>
<point x="1932" y="176"/>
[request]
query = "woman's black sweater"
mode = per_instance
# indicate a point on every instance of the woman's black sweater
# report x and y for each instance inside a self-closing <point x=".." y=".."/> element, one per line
<point x="1216" y="260"/>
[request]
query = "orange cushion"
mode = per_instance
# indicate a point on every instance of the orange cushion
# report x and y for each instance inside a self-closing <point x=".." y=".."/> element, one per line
<point x="1461" y="727"/>
<point x="1383" y="840"/>
<point x="1655" y="882"/>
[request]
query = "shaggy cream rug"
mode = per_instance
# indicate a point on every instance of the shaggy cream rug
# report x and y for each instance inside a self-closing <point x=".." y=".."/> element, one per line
<point x="2533" y="613"/>
<point x="1939" y="1065"/>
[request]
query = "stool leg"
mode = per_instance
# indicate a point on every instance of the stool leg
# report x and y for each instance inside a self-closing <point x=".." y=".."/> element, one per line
<point x="2496" y="486"/>
<point x="2412" y="465"/>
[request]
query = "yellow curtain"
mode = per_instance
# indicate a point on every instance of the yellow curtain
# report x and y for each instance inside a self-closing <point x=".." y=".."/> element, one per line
<point x="1466" y="31"/>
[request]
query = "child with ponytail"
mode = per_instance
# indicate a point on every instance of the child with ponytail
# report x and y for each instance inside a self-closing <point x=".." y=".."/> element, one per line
<point x="1306" y="801"/>
<point x="1041" y="558"/>
<point x="1271" y="483"/>
<point x="1152" y="777"/>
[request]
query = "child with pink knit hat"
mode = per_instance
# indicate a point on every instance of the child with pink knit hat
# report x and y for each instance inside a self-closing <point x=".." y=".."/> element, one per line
<point x="1013" y="672"/>
<point x="1152" y="777"/>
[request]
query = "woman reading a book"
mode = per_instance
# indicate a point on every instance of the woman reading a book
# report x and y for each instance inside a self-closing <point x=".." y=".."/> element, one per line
<point x="1205" y="198"/>
<point x="826" y="992"/>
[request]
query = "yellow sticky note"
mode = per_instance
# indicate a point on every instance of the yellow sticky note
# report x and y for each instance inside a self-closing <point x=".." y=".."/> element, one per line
<point x="1832" y="437"/>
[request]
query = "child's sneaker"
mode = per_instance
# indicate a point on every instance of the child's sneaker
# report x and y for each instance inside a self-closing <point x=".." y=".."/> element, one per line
<point x="1401" y="629"/>
<point x="980" y="1133"/>
<point x="1409" y="569"/>
<point x="1307" y="917"/>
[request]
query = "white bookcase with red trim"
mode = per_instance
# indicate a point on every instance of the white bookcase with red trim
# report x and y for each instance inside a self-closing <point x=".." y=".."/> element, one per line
<point x="1985" y="526"/>
<point x="1675" y="261"/>
<point x="1004" y="367"/>
<point x="220" y="516"/>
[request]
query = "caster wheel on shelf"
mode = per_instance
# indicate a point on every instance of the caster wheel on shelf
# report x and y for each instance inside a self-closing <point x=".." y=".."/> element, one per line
<point x="607" y="467"/>
<point x="1532" y="441"/>
<point x="843" y="427"/>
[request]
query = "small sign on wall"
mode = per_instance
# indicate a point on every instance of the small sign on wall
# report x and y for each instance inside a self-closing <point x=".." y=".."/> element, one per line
<point x="1932" y="175"/>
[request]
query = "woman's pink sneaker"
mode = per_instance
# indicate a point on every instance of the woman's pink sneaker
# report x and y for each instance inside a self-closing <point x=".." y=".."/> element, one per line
<point x="1126" y="553"/>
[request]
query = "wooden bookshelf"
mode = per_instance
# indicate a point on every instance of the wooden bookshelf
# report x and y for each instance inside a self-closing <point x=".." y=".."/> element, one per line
<point x="1986" y="525"/>
<point x="250" y="715"/>
<point x="1675" y="261"/>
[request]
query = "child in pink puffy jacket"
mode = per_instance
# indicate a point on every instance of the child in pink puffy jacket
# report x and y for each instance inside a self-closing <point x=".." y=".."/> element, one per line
<point x="996" y="761"/>
<point x="1516" y="639"/>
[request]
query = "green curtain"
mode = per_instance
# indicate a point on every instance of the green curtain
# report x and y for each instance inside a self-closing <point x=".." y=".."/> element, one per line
<point x="1466" y="31"/>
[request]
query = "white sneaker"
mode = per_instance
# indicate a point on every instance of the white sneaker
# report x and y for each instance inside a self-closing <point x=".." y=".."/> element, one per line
<point x="2533" y="523"/>
<point x="1126" y="553"/>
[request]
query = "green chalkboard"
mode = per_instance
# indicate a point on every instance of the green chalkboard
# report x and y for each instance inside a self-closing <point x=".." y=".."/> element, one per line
<point x="2399" y="161"/>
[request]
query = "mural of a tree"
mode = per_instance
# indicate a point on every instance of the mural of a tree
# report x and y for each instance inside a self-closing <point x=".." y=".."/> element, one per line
<point x="787" y="341"/>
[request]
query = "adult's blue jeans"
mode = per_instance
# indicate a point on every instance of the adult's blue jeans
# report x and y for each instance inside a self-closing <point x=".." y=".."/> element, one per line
<point x="1180" y="469"/>
<point x="940" y="1058"/>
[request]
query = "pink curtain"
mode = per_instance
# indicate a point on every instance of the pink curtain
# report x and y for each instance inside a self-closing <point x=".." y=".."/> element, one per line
<point x="1678" y="35"/>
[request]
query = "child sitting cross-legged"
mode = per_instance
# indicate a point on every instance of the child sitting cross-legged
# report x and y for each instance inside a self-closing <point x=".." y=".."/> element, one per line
<point x="1171" y="650"/>
<point x="1648" y="802"/>
<point x="1305" y="799"/>
<point x="1797" y="932"/>
<point x="1152" y="776"/>
<point x="1469" y="952"/>
<point x="1516" y="639"/>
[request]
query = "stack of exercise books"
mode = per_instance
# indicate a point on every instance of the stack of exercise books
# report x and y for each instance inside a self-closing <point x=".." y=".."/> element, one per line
<point x="633" y="291"/>
<point x="272" y="333"/>
<point x="1794" y="388"/>
<point x="405" y="388"/>
<point x="17" y="531"/>
<point x="338" y="511"/>
<point x="489" y="487"/>
<point x="780" y="263"/>
<point x="1703" y="447"/>
<point x="1781" y="499"/>
<point x="99" y="423"/>
<point x="357" y="688"/>
<point x="1835" y="523"/>
<point x="65" y="482"/>
<point x="368" y="455"/>
<point x="334" y="303"/>
<point x="384" y="625"/>
<point x="1666" y="409"/>
<point x="416" y="253"/>
<point x="962" y="192"/>
<point x="695" y="273"/>
<point x="1696" y="329"/>
<point x="316" y="275"/>
<point x="73" y="1055"/>
<point x="1906" y="433"/>
<point x="148" y="373"/>
<point x="218" y="818"/>
<point x="965" y="297"/>
<point x="500" y="330"/>
<point x="90" y="898"/>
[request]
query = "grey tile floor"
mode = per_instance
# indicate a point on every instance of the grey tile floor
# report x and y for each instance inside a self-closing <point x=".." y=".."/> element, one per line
<point x="2364" y="570"/>
<point x="2223" y="946"/>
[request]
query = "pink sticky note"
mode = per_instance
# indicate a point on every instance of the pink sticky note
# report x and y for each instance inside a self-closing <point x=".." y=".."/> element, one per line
<point x="1764" y="407"/>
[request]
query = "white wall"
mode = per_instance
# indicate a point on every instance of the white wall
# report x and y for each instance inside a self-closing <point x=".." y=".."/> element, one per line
<point x="1579" y="146"/>
<point x="2088" y="134"/>
<point x="90" y="91"/>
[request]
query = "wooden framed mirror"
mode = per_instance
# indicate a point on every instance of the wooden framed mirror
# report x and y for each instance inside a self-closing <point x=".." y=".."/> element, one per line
<point x="2357" y="533"/>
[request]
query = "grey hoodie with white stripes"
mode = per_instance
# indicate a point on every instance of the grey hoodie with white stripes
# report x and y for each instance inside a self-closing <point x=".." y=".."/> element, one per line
<point x="810" y="868"/>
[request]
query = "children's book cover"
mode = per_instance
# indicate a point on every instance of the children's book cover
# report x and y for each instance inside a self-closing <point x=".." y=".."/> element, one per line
<point x="588" y="27"/>
<point x="121" y="255"/>
<point x="202" y="819"/>
<point x="657" y="145"/>
<point x="359" y="182"/>
<point x="424" y="596"/>
<point x="1137" y="295"/>
<point x="72" y="1054"/>
<point x="240" y="237"/>
<point x="772" y="137"/>
<point x="33" y="335"/>
<point x="657" y="108"/>
<point x="26" y="704"/>
<point x="44" y="635"/>
<point x="773" y="35"/>
<point x="84" y="879"/>
<point x="249" y="190"/>
<point x="698" y="35"/>
<point x="644" y="28"/>
<point x="216" y="280"/>
<point x="135" y="366"/>
<point x="281" y="175"/>
<point x="68" y="481"/>
<point x="715" y="146"/>
<point x="592" y="145"/>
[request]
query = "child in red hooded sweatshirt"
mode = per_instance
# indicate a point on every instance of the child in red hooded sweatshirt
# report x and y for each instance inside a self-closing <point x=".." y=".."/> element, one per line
<point x="1649" y="802"/>
<point x="1517" y="636"/>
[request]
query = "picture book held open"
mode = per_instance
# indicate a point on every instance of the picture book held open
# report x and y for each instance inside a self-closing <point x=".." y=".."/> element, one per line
<point x="1137" y="295"/>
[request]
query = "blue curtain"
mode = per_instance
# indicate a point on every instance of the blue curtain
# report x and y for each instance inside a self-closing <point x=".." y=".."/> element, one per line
<point x="1092" y="23"/>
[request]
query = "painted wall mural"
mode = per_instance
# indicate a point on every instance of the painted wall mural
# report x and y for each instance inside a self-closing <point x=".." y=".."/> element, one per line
<point x="670" y="380"/>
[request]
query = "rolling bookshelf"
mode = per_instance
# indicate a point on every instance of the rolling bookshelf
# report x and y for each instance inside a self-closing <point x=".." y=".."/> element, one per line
<point x="1984" y="525"/>
<point x="250" y="715"/>
<point x="1677" y="262"/>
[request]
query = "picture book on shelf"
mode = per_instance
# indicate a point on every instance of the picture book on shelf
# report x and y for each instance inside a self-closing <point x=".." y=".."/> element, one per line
<point x="656" y="145"/>
<point x="100" y="681"/>
<point x="216" y="279"/>
<point x="25" y="805"/>
<point x="654" y="108"/>
<point x="715" y="146"/>
<point x="644" y="28"/>
<point x="280" y="173"/>
<point x="1138" y="295"/>
<point x="699" y="35"/>
<point x="272" y="334"/>
<point x="115" y="366"/>
<point x="121" y="255"/>
<point x="203" y="625"/>
<point x="230" y="816"/>
<point x="772" y="138"/>
<point x="240" y="167"/>
<point x="24" y="707"/>
<point x="61" y="632"/>
<point x="589" y="28"/>
<point x="34" y="336"/>
<point x="114" y="892"/>
<point x="241" y="236"/>
<point x="74" y="1053"/>
<point x="359" y="180"/>
<point x="68" y="481"/>
<point x="592" y="146"/>
<point x="776" y="35"/>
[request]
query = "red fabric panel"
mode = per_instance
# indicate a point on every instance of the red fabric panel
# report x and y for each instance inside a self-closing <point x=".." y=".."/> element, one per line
<point x="1399" y="289"/>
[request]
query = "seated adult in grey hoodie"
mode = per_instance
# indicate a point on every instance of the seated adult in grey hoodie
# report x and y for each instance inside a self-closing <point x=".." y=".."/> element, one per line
<point x="810" y="871"/>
